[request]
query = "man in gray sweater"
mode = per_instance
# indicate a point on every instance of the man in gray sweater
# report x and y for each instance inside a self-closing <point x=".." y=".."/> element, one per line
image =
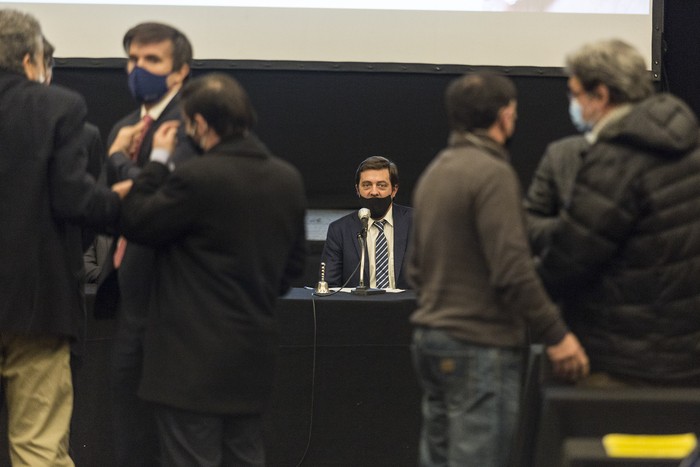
<point x="477" y="288"/>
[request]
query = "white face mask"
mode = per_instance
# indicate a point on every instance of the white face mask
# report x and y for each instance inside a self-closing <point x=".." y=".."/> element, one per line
<point x="576" y="114"/>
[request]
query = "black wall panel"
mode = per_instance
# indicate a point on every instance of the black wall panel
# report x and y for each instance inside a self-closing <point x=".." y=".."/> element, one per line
<point x="326" y="122"/>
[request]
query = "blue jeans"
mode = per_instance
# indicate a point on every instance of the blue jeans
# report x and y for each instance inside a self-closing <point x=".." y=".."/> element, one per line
<point x="471" y="397"/>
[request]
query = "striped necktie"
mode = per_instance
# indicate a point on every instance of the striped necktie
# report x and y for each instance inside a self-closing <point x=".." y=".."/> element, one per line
<point x="381" y="257"/>
<point x="138" y="142"/>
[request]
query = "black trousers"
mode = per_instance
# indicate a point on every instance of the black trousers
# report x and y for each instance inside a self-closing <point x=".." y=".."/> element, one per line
<point x="192" y="439"/>
<point x="135" y="434"/>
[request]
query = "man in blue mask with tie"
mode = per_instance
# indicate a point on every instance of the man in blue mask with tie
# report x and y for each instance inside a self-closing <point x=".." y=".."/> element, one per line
<point x="159" y="60"/>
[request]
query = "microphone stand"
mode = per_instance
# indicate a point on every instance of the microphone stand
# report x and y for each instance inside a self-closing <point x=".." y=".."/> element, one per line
<point x="362" y="289"/>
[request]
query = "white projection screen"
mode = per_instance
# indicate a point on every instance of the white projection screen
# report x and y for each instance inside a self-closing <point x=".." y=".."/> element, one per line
<point x="504" y="33"/>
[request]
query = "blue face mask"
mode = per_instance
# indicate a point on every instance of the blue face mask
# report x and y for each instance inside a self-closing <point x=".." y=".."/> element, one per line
<point x="576" y="114"/>
<point x="147" y="87"/>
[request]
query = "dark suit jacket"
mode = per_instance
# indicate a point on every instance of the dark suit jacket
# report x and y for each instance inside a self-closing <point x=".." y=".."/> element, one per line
<point x="46" y="195"/>
<point x="95" y="149"/>
<point x="91" y="143"/>
<point x="229" y="232"/>
<point x="95" y="257"/>
<point x="550" y="190"/>
<point x="121" y="167"/>
<point x="341" y="252"/>
<point x="127" y="289"/>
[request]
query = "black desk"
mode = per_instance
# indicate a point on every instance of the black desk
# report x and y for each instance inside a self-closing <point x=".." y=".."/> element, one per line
<point x="346" y="319"/>
<point x="366" y="396"/>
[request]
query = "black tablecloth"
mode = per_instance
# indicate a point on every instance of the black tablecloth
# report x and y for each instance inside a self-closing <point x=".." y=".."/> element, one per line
<point x="356" y="386"/>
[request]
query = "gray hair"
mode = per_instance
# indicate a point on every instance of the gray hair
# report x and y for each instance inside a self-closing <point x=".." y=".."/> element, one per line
<point x="20" y="34"/>
<point x="614" y="63"/>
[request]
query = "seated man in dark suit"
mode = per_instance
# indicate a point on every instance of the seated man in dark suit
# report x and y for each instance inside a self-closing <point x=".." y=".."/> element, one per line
<point x="376" y="184"/>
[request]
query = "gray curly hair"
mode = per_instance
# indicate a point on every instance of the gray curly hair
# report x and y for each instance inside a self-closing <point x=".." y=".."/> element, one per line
<point x="20" y="34"/>
<point x="614" y="63"/>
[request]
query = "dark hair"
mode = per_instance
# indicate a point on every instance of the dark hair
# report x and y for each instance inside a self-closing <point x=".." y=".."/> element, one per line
<point x="473" y="101"/>
<point x="49" y="49"/>
<point x="378" y="163"/>
<point x="151" y="33"/>
<point x="222" y="101"/>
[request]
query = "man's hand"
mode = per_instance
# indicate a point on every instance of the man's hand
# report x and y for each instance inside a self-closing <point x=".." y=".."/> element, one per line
<point x="127" y="139"/>
<point x="569" y="360"/>
<point x="122" y="188"/>
<point x="165" y="136"/>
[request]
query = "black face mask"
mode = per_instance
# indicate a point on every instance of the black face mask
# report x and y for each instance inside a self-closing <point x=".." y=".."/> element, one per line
<point x="195" y="145"/>
<point x="193" y="140"/>
<point x="377" y="206"/>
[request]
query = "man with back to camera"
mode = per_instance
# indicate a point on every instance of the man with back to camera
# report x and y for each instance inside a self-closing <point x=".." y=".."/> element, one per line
<point x="476" y="285"/>
<point x="91" y="144"/>
<point x="46" y="197"/>
<point x="624" y="255"/>
<point x="229" y="233"/>
<point x="92" y="140"/>
<point x="159" y="60"/>
<point x="376" y="185"/>
<point x="96" y="246"/>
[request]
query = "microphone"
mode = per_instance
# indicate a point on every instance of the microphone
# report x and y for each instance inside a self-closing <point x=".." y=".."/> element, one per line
<point x="362" y="289"/>
<point x="364" y="214"/>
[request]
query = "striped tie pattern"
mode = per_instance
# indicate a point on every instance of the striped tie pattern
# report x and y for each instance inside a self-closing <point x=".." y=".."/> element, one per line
<point x="381" y="257"/>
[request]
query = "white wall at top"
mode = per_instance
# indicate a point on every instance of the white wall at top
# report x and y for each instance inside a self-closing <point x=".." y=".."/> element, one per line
<point x="310" y="34"/>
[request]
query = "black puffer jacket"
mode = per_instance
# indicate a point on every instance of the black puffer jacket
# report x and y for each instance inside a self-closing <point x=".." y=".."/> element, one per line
<point x="625" y="257"/>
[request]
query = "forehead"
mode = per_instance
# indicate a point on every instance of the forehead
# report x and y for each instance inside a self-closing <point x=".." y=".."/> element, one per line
<point x="162" y="49"/>
<point x="381" y="175"/>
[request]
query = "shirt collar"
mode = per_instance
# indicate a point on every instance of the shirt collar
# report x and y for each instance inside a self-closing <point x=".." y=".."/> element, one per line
<point x="157" y="110"/>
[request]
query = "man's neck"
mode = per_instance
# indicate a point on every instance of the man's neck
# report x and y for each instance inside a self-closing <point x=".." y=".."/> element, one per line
<point x="162" y="103"/>
<point x="495" y="133"/>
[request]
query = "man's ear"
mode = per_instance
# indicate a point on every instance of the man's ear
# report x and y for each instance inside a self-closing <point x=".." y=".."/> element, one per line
<point x="183" y="73"/>
<point x="28" y="66"/>
<point x="201" y="123"/>
<point x="177" y="77"/>
<point x="602" y="92"/>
